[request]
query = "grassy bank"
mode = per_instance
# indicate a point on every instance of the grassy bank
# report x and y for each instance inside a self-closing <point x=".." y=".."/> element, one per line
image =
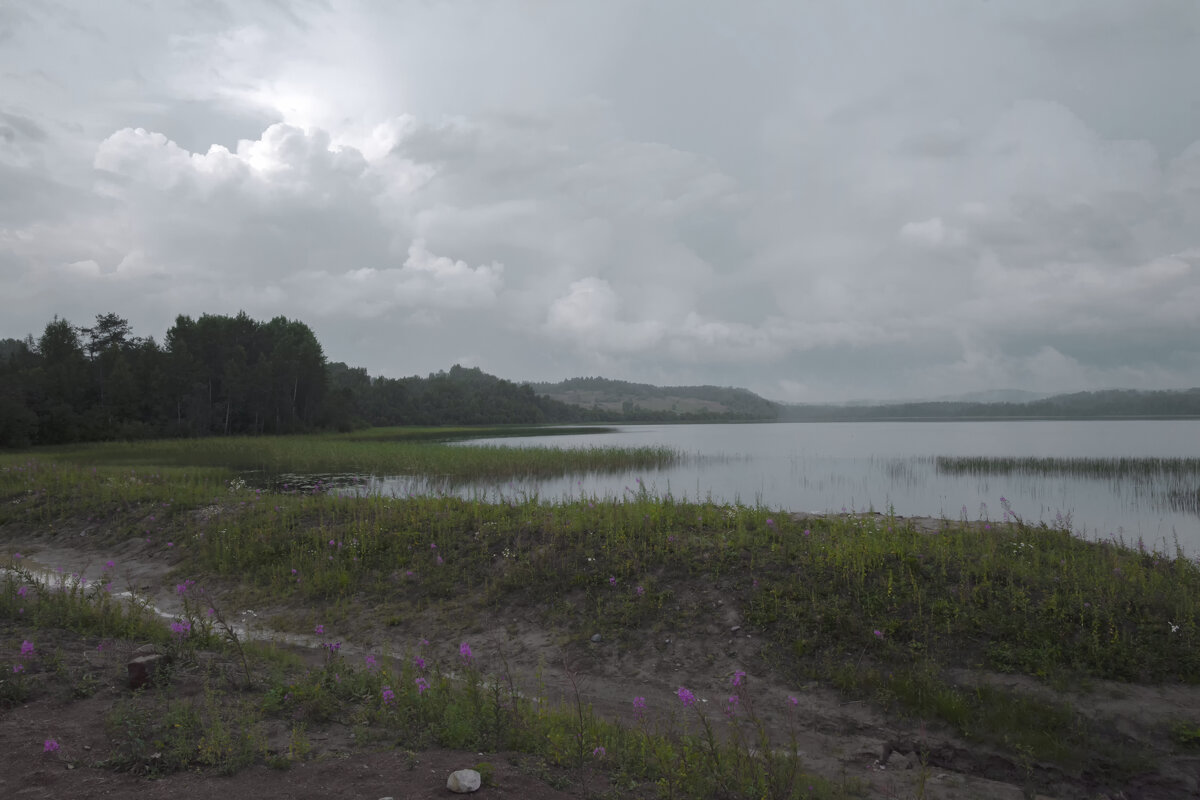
<point x="378" y="451"/>
<point x="870" y="605"/>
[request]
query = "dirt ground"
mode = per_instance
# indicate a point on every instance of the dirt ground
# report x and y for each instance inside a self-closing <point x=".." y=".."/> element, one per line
<point x="847" y="742"/>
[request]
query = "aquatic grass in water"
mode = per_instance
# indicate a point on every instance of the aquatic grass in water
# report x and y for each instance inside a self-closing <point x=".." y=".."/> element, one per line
<point x="382" y="454"/>
<point x="1172" y="482"/>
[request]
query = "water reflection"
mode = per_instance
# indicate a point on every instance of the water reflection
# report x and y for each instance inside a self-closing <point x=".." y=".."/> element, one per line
<point x="1128" y="480"/>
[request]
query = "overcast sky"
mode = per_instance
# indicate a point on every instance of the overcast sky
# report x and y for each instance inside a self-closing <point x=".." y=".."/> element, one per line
<point x="816" y="200"/>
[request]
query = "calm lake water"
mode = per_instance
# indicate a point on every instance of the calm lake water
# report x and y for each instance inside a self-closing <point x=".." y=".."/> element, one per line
<point x="862" y="466"/>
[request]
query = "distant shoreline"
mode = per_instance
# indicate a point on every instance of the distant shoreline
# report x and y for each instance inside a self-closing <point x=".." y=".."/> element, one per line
<point x="999" y="418"/>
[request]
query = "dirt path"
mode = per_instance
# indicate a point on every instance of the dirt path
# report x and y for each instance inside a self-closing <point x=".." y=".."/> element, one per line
<point x="843" y="741"/>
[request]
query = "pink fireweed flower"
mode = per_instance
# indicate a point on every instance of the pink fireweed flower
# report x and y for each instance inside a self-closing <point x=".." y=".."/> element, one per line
<point x="599" y="752"/>
<point x="793" y="700"/>
<point x="24" y="590"/>
<point x="26" y="649"/>
<point x="612" y="581"/>
<point x="50" y="746"/>
<point x="18" y="668"/>
<point x="737" y="678"/>
<point x="422" y="685"/>
<point x="878" y="634"/>
<point x="464" y="650"/>
<point x="639" y="706"/>
<point x="419" y="662"/>
<point x="639" y="591"/>
<point x="319" y="630"/>
<point x="388" y="695"/>
<point x="732" y="705"/>
<point x="109" y="564"/>
<point x="181" y="628"/>
<point x="685" y="696"/>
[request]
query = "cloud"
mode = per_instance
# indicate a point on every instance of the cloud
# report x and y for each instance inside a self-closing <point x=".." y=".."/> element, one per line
<point x="589" y="315"/>
<point x="930" y="233"/>
<point x="812" y="200"/>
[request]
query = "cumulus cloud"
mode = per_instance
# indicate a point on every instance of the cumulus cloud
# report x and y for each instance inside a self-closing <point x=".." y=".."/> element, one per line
<point x="589" y="314"/>
<point x="817" y="202"/>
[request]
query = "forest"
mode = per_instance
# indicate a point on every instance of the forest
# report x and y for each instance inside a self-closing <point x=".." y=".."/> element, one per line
<point x="222" y="375"/>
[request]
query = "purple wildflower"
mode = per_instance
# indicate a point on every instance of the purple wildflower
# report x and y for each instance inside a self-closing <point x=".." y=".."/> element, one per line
<point x="685" y="696"/>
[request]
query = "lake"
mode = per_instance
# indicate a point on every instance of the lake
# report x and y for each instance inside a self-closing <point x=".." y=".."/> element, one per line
<point x="864" y="466"/>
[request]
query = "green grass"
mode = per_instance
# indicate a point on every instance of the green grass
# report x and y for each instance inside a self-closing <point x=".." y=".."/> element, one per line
<point x="399" y="700"/>
<point x="377" y="451"/>
<point x="870" y="605"/>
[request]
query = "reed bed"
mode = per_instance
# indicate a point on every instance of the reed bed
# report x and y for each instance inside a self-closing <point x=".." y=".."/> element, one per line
<point x="413" y="454"/>
<point x="1172" y="483"/>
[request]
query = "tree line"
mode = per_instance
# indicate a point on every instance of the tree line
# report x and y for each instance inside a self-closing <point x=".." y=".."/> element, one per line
<point x="1104" y="404"/>
<point x="212" y="375"/>
<point x="222" y="375"/>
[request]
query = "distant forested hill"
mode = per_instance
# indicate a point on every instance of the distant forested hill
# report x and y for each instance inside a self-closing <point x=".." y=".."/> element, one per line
<point x="642" y="401"/>
<point x="461" y="396"/>
<point x="1107" y="404"/>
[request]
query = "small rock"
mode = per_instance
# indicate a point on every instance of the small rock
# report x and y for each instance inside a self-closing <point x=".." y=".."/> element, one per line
<point x="464" y="781"/>
<point x="735" y="629"/>
<point x="898" y="760"/>
<point x="597" y="637"/>
<point x="143" y="668"/>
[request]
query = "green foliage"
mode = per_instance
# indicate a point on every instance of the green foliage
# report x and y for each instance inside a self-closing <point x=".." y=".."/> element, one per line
<point x="1186" y="734"/>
